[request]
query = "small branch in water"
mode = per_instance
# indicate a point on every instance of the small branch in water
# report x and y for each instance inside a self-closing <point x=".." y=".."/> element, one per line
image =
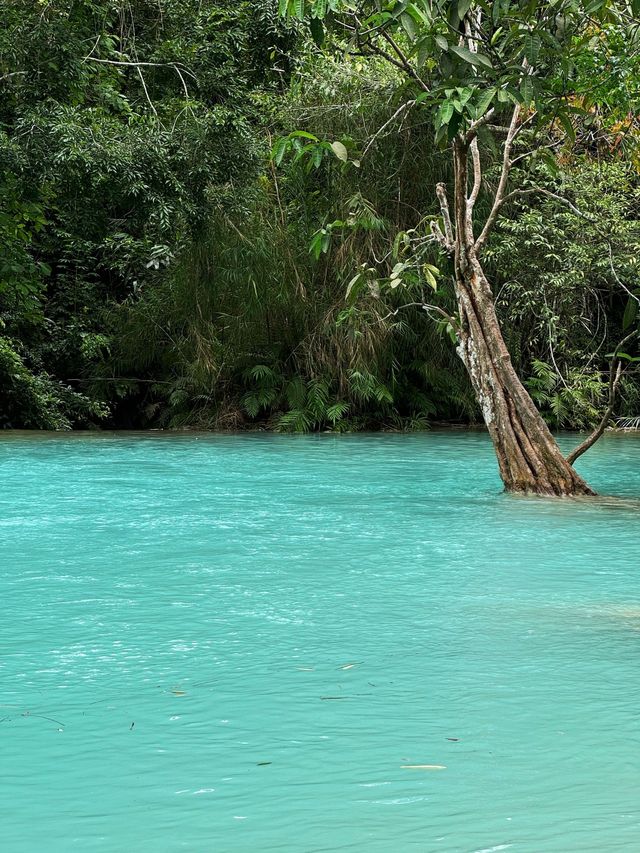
<point x="334" y="698"/>
<point x="615" y="375"/>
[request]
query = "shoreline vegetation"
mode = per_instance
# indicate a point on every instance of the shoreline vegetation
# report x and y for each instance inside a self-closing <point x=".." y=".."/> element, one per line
<point x="257" y="429"/>
<point x="223" y="216"/>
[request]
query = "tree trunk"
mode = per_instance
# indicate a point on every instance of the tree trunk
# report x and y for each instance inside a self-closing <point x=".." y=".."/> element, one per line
<point x="529" y="458"/>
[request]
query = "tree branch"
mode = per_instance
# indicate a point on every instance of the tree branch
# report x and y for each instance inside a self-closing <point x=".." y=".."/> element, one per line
<point x="138" y="64"/>
<point x="476" y="125"/>
<point x="441" y="192"/>
<point x="548" y="147"/>
<point x="502" y="185"/>
<point x="439" y="237"/>
<point x="427" y="307"/>
<point x="12" y="74"/>
<point x="617" y="277"/>
<point x="400" y="110"/>
<point x="615" y="374"/>
<point x="477" y="173"/>
<point x="406" y="65"/>
<point x="146" y="91"/>
<point x="543" y="191"/>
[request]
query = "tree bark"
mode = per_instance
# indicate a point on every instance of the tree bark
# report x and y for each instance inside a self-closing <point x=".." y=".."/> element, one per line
<point x="529" y="458"/>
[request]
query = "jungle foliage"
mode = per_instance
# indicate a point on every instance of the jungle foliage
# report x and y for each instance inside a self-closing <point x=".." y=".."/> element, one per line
<point x="203" y="225"/>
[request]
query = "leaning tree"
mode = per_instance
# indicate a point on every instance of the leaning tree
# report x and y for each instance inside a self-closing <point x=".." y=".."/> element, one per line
<point x="494" y="73"/>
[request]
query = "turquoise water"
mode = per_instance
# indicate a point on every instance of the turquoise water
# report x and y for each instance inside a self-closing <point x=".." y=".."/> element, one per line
<point x="239" y="643"/>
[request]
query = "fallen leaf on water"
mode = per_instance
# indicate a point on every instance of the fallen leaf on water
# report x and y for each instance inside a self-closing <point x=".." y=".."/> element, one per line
<point x="455" y="739"/>
<point x="423" y="767"/>
<point x="262" y="763"/>
<point x="178" y="692"/>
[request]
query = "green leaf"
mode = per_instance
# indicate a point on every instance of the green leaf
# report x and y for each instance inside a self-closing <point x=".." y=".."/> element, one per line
<point x="317" y="31"/>
<point x="565" y="121"/>
<point x="337" y="411"/>
<point x="408" y="25"/>
<point x="623" y="355"/>
<point x="484" y="102"/>
<point x="457" y="11"/>
<point x="463" y="8"/>
<point x="477" y="59"/>
<point x="420" y="15"/>
<point x="442" y="42"/>
<point x="454" y="125"/>
<point x="279" y="149"/>
<point x="303" y="134"/>
<point x="444" y="113"/>
<point x="430" y="278"/>
<point x="550" y="162"/>
<point x="526" y="90"/>
<point x="532" y="45"/>
<point x="298" y="9"/>
<point x="340" y="151"/>
<point x="354" y="287"/>
<point x="397" y="270"/>
<point x="315" y="244"/>
<point x="630" y="313"/>
<point x="424" y="49"/>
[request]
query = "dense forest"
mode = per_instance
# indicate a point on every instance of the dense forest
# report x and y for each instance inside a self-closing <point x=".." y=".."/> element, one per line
<point x="219" y="215"/>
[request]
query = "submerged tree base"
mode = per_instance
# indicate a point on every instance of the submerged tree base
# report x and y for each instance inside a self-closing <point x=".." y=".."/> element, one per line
<point x="556" y="490"/>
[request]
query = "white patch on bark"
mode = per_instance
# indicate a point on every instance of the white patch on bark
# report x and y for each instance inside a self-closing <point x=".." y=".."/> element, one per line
<point x="469" y="356"/>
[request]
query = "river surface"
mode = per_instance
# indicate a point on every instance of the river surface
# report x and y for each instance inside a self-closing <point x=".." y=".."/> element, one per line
<point x="280" y="643"/>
